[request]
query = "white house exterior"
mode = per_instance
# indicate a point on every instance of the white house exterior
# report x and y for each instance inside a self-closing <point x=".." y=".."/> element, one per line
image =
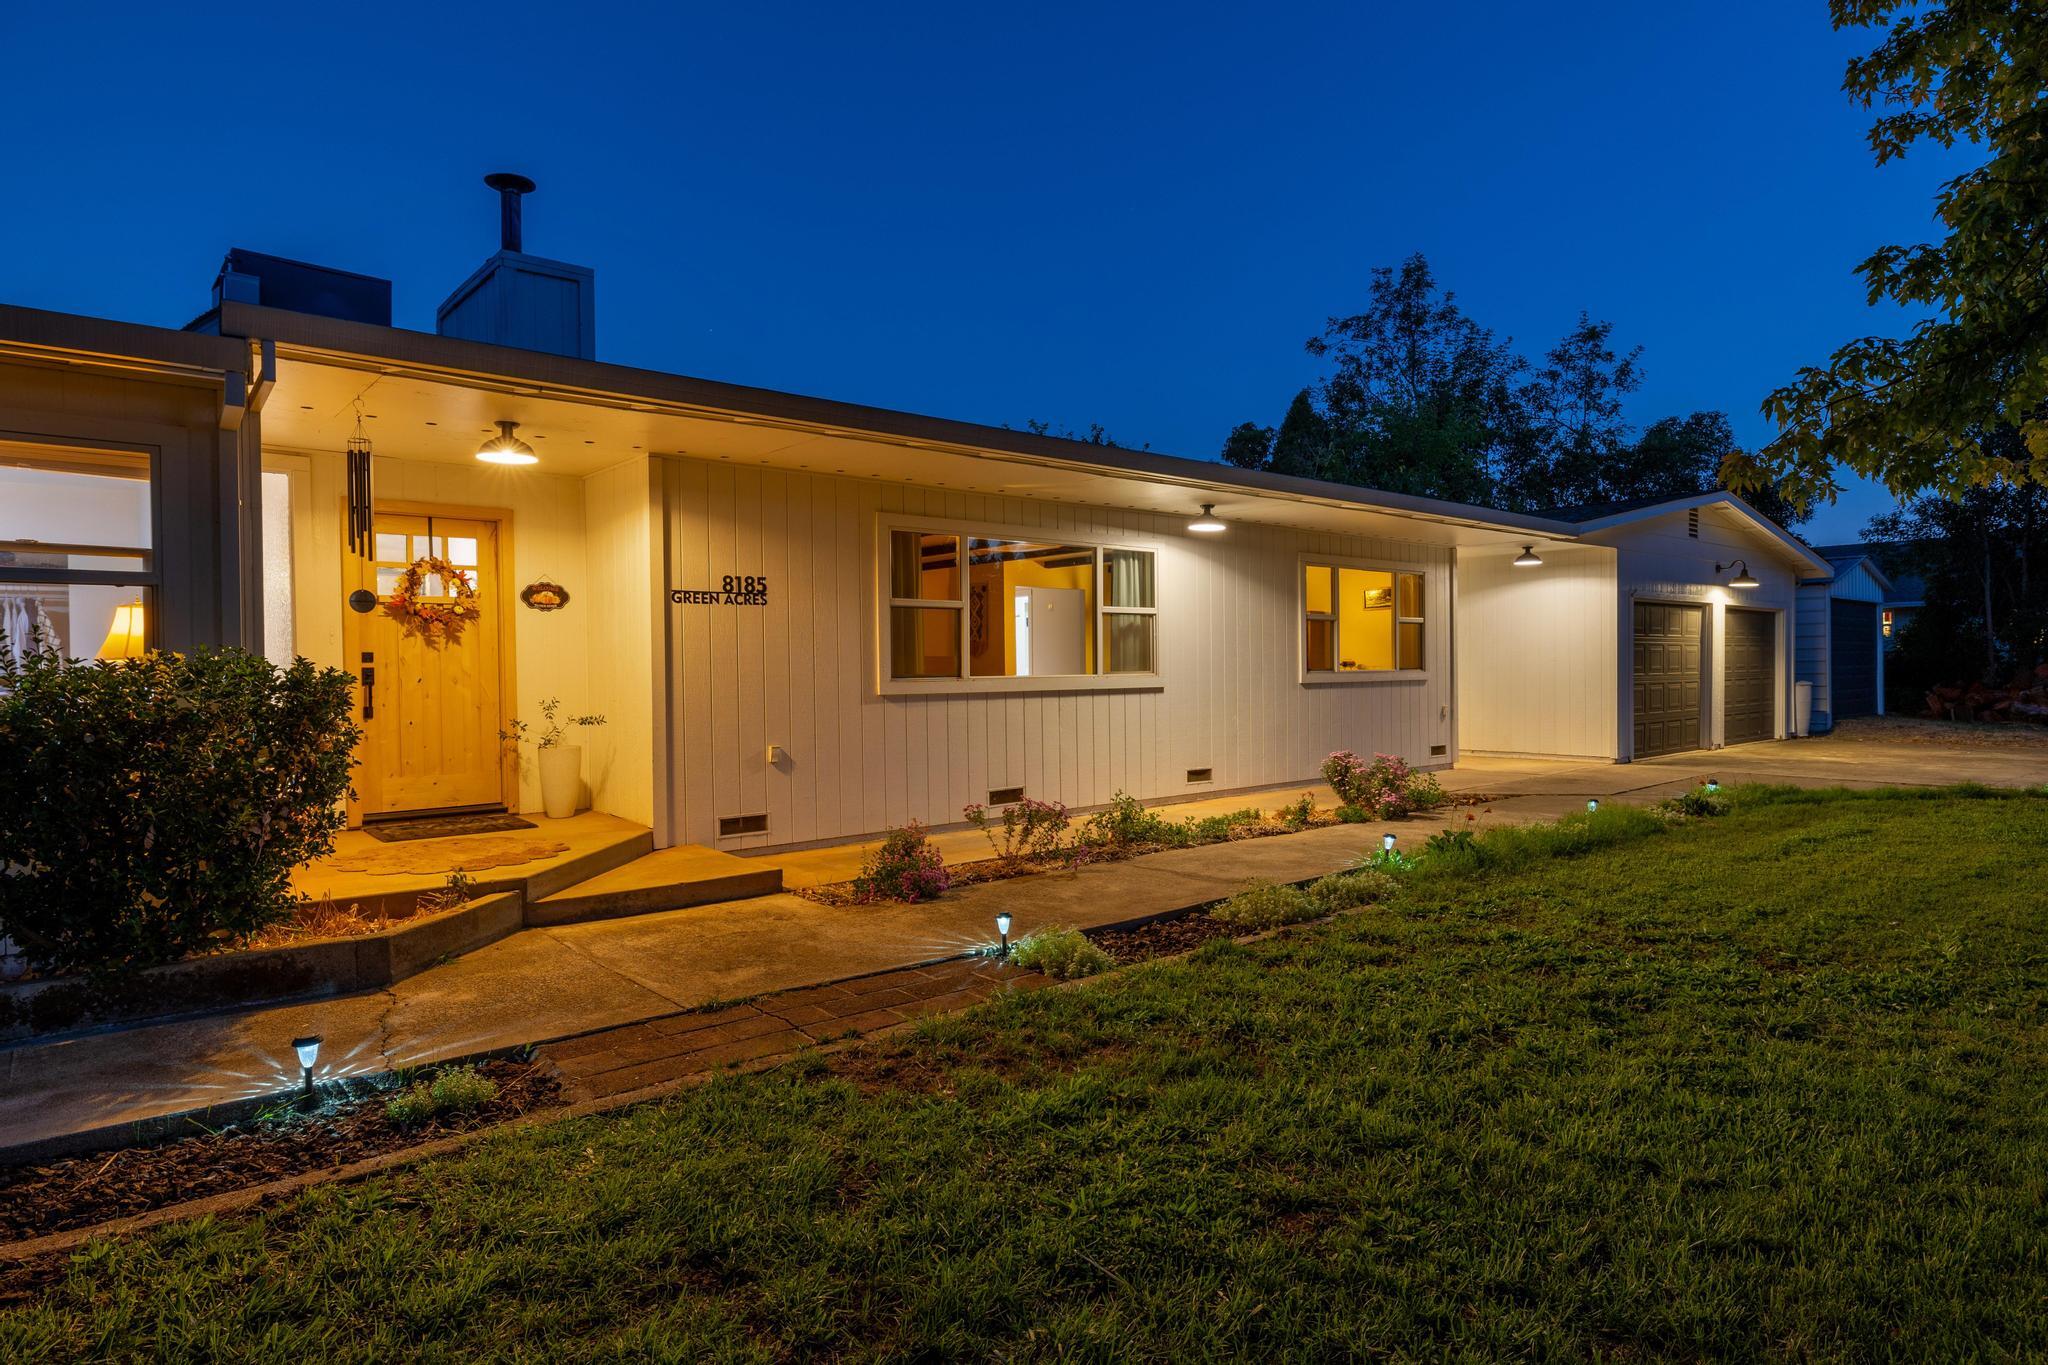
<point x="808" y="621"/>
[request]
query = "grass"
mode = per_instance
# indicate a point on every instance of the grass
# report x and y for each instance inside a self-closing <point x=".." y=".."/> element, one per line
<point x="456" y="1090"/>
<point x="1766" y="1086"/>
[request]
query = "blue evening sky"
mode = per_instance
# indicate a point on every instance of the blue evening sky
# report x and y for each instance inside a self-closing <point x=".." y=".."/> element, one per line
<point x="1131" y="215"/>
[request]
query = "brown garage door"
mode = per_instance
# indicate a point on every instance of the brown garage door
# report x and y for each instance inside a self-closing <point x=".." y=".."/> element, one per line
<point x="1752" y="676"/>
<point x="1667" y="678"/>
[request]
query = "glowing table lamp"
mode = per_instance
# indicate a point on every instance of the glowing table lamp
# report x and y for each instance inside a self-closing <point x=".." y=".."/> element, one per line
<point x="124" y="637"/>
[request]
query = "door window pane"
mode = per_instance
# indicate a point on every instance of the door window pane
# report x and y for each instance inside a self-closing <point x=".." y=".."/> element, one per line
<point x="924" y="642"/>
<point x="1031" y="609"/>
<point x="462" y="550"/>
<point x="390" y="548"/>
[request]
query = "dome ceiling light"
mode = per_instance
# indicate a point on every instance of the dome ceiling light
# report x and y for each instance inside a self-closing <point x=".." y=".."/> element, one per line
<point x="506" y="448"/>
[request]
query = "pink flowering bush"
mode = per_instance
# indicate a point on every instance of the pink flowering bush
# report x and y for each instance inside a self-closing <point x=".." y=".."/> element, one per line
<point x="1386" y="788"/>
<point x="906" y="867"/>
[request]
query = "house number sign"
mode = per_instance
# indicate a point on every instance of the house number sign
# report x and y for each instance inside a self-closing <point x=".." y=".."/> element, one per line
<point x="733" y="591"/>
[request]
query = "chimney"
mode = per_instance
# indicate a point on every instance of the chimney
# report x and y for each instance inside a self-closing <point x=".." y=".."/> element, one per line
<point x="515" y="299"/>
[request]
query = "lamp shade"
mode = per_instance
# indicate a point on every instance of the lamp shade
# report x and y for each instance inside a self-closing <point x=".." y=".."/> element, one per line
<point x="1207" y="523"/>
<point x="124" y="637"/>
<point x="1528" y="559"/>
<point x="506" y="448"/>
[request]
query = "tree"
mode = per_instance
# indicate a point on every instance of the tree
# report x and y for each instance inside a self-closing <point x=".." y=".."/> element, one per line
<point x="1302" y="445"/>
<point x="1249" y="446"/>
<point x="1572" y="432"/>
<point x="1913" y="411"/>
<point x="1980" y="554"/>
<point x="1676" y="457"/>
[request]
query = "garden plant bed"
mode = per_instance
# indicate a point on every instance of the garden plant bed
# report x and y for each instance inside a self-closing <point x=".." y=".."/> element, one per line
<point x="97" y="1188"/>
<point x="1081" y="852"/>
<point x="1166" y="936"/>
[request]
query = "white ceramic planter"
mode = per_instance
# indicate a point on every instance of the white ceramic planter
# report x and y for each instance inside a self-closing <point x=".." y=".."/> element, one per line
<point x="561" y="779"/>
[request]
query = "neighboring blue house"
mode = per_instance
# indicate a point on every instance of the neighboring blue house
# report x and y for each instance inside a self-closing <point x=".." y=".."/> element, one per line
<point x="1844" y="625"/>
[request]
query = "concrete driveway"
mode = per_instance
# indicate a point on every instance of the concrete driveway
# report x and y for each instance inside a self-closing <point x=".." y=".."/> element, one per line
<point x="547" y="983"/>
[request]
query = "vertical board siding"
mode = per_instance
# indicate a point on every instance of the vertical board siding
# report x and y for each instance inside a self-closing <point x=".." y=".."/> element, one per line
<point x="618" y="513"/>
<point x="1810" y="659"/>
<point x="800" y="673"/>
<point x="1537" y="653"/>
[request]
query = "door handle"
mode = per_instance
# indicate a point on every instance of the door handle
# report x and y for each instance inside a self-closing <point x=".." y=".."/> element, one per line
<point x="369" y="677"/>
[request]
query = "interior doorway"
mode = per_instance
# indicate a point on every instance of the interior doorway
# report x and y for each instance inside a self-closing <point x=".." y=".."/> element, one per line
<point x="433" y="694"/>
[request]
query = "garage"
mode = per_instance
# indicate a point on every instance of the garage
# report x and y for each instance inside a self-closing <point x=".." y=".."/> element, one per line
<point x="1852" y="630"/>
<point x="1751" y="676"/>
<point x="1667" y="660"/>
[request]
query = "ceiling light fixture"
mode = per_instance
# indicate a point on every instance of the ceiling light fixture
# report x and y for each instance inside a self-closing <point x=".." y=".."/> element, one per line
<point x="1743" y="578"/>
<point x="1207" y="523"/>
<point x="1528" y="559"/>
<point x="505" y="448"/>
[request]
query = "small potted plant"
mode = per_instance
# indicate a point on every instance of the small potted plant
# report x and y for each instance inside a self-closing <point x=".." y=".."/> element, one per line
<point x="561" y="765"/>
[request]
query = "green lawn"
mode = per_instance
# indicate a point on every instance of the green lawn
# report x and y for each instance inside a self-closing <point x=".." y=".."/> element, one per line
<point x="1766" y="1086"/>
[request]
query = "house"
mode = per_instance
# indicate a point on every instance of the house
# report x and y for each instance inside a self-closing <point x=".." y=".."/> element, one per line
<point x="1843" y="636"/>
<point x="1905" y="593"/>
<point x="807" y="621"/>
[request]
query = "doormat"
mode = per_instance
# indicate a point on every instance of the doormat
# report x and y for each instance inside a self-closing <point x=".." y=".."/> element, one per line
<point x="443" y="827"/>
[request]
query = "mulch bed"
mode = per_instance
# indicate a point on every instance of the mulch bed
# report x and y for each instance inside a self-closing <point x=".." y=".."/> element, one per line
<point x="1160" y="938"/>
<point x="82" y="1191"/>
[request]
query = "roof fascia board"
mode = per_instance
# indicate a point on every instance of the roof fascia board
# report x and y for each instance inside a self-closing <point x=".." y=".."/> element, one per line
<point x="394" y="350"/>
<point x="73" y="339"/>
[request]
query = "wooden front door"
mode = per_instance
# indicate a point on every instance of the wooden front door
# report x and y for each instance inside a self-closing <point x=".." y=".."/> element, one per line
<point x="1666" y="661"/>
<point x="430" y="709"/>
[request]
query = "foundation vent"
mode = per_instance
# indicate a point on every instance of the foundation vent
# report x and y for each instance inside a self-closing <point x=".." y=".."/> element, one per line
<point x="1005" y="796"/>
<point x="1201" y="774"/>
<point x="731" y="825"/>
<point x="1438" y="750"/>
<point x="1692" y="523"/>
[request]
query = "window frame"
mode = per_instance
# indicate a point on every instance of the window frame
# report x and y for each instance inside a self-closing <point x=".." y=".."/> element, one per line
<point x="146" y="579"/>
<point x="1360" y="677"/>
<point x="965" y="530"/>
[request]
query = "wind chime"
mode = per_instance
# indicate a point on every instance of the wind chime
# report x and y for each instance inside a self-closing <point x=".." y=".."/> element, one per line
<point x="359" y="502"/>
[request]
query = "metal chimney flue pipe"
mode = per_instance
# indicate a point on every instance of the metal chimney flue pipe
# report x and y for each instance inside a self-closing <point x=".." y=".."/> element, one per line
<point x="509" y="187"/>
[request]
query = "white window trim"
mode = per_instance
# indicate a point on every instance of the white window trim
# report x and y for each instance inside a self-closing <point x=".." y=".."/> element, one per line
<point x="940" y="524"/>
<point x="1363" y="677"/>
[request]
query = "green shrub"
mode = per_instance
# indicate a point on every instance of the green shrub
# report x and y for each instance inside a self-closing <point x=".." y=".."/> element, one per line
<point x="155" y="807"/>
<point x="1214" y="829"/>
<point x="1266" y="907"/>
<point x="1029" y="828"/>
<point x="1353" y="815"/>
<point x="457" y="1090"/>
<point x="1298" y="815"/>
<point x="906" y="866"/>
<point x="1063" y="954"/>
<point x="1699" y="801"/>
<point x="1128" y="824"/>
<point x="1348" y="890"/>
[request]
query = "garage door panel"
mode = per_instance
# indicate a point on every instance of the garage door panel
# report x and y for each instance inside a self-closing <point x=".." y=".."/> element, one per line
<point x="1853" y="633"/>
<point x="1666" y="653"/>
<point x="1751" y="676"/>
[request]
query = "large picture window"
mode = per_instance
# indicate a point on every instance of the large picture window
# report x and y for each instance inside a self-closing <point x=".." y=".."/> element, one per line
<point x="972" y="607"/>
<point x="1359" y="619"/>
<point x="77" y="563"/>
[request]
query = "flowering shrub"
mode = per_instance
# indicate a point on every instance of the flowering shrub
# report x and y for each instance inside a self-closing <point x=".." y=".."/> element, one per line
<point x="906" y="867"/>
<point x="1386" y="788"/>
<point x="1029" y="828"/>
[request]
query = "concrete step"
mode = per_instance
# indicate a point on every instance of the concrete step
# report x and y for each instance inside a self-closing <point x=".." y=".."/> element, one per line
<point x="667" y="879"/>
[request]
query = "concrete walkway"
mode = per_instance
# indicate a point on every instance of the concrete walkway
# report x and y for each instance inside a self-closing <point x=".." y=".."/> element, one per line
<point x="549" y="983"/>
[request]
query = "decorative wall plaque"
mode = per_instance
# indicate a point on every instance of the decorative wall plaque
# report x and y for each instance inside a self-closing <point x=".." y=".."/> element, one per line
<point x="543" y="595"/>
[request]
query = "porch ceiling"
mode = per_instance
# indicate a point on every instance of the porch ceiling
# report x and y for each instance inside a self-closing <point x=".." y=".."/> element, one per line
<point x="422" y="416"/>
